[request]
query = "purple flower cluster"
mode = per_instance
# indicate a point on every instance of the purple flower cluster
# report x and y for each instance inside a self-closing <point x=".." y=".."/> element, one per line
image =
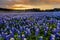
<point x="29" y="28"/>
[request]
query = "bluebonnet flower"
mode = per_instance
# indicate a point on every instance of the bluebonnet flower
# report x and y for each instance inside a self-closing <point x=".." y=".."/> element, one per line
<point x="1" y="37"/>
<point x="52" y="37"/>
<point x="58" y="25"/>
<point x="54" y="31"/>
<point x="27" y="21"/>
<point x="7" y="37"/>
<point x="12" y="39"/>
<point x="50" y="21"/>
<point x="5" y="29"/>
<point x="28" y="31"/>
<point x="1" y="30"/>
<point x="35" y="27"/>
<point x="23" y="36"/>
<point x="3" y="34"/>
<point x="58" y="21"/>
<point x="45" y="33"/>
<point x="24" y="18"/>
<point x="40" y="22"/>
<point x="24" y="27"/>
<point x="11" y="34"/>
<point x="29" y="25"/>
<point x="37" y="18"/>
<point x="18" y="31"/>
<point x="57" y="35"/>
<point x="41" y="38"/>
<point x="17" y="17"/>
<point x="13" y="29"/>
<point x="19" y="36"/>
<point x="21" y="28"/>
<point x="1" y="21"/>
<point x="46" y="28"/>
<point x="32" y="23"/>
<point x="8" y="27"/>
<point x="5" y="21"/>
<point x="44" y="24"/>
<point x="53" y="20"/>
<point x="36" y="31"/>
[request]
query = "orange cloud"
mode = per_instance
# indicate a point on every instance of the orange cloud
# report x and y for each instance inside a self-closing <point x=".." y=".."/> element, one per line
<point x="21" y="7"/>
<point x="54" y="1"/>
<point x="24" y="4"/>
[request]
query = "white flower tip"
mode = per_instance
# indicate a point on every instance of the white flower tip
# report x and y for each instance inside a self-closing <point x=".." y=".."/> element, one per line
<point x="37" y="29"/>
<point x="23" y="35"/>
<point x="52" y="35"/>
<point x="25" y="39"/>
<point x="41" y="36"/>
<point x="53" y="38"/>
<point x="12" y="39"/>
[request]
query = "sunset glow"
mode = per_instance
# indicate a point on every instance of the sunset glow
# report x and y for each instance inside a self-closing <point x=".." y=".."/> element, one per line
<point x="28" y="4"/>
<point x="22" y="7"/>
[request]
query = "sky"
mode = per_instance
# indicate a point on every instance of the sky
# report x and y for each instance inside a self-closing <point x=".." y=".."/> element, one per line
<point x="28" y="4"/>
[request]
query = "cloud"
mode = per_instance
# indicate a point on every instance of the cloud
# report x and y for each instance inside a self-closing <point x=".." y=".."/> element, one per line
<point x="31" y="2"/>
<point x="38" y="3"/>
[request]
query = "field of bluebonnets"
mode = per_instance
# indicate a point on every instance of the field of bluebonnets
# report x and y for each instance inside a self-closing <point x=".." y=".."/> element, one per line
<point x="38" y="27"/>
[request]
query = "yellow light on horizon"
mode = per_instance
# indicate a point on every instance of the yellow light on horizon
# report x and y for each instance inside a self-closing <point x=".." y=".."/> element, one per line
<point x="23" y="6"/>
